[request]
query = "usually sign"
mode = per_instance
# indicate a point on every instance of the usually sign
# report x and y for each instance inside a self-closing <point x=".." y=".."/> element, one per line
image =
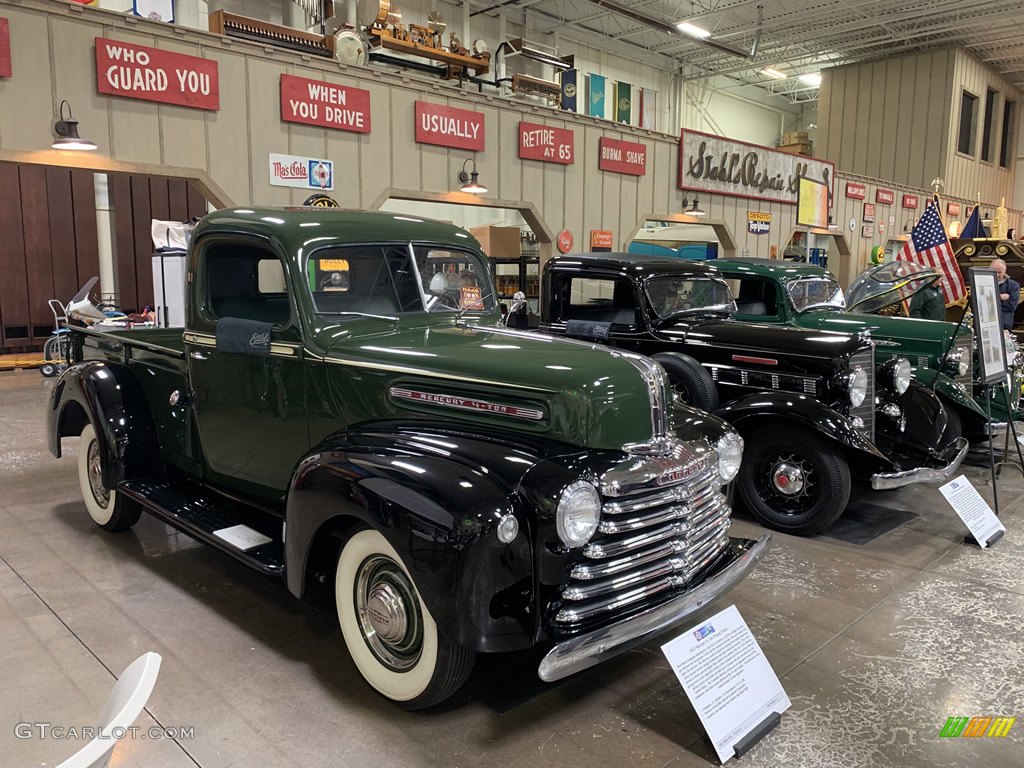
<point x="709" y="163"/>
<point x="910" y="201"/>
<point x="541" y="142"/>
<point x="152" y="74"/>
<point x="856" y="191"/>
<point x="759" y="222"/>
<point x="314" y="102"/>
<point x="885" y="196"/>
<point x="5" y="48"/>
<point x="449" y="126"/>
<point x="622" y="157"/>
<point x="301" y="172"/>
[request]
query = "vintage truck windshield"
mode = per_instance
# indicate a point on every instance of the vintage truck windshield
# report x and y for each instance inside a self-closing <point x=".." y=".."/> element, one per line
<point x="672" y="296"/>
<point x="815" y="293"/>
<point x="388" y="280"/>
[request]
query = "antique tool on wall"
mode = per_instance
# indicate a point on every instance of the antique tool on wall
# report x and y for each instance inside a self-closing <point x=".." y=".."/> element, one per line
<point x="254" y="30"/>
<point x="350" y="47"/>
<point x="525" y="67"/>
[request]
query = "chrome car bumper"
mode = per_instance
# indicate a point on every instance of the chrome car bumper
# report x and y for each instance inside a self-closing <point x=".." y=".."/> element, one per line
<point x="579" y="653"/>
<point x="889" y="480"/>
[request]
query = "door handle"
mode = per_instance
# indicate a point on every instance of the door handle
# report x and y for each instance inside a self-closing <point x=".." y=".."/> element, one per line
<point x="198" y="356"/>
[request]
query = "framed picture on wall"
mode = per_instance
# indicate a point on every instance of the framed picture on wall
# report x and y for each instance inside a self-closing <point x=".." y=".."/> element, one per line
<point x="988" y="327"/>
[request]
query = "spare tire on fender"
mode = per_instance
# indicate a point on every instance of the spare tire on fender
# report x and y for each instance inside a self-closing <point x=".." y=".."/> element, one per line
<point x="689" y="380"/>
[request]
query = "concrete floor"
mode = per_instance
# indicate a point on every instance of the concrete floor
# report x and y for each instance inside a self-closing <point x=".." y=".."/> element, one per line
<point x="879" y="630"/>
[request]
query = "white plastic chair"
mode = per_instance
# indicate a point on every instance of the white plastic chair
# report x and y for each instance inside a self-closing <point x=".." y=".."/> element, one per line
<point x="125" y="703"/>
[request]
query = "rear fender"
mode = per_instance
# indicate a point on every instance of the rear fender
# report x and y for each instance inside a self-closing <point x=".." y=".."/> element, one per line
<point x="108" y="397"/>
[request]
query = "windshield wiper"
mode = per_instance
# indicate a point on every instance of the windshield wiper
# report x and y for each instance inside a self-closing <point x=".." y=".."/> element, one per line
<point x="714" y="309"/>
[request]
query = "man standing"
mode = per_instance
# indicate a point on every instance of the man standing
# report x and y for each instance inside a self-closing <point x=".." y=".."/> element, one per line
<point x="1009" y="293"/>
<point x="928" y="304"/>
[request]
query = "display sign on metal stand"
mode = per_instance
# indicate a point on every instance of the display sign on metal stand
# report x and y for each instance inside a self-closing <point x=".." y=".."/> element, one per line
<point x="730" y="683"/>
<point x="971" y="508"/>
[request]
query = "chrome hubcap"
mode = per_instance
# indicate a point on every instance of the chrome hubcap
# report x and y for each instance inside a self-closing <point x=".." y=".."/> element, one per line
<point x="788" y="478"/>
<point x="99" y="493"/>
<point x="389" y="613"/>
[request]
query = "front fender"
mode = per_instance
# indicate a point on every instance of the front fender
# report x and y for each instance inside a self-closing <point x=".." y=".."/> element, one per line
<point x="110" y="398"/>
<point x="950" y="390"/>
<point x="437" y="499"/>
<point x="913" y="434"/>
<point x="806" y="411"/>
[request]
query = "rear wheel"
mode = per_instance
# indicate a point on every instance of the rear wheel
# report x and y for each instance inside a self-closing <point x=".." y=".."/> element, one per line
<point x="792" y="481"/>
<point x="391" y="635"/>
<point x="107" y="508"/>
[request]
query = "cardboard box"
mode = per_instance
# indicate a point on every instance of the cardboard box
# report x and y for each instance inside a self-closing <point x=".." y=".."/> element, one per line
<point x="798" y="149"/>
<point x="498" y="242"/>
<point x="795" y="137"/>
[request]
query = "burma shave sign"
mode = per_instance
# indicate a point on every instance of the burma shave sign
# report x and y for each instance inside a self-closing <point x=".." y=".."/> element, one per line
<point x="314" y="102"/>
<point x="139" y="72"/>
<point x="449" y="126"/>
<point x="622" y="157"/>
<point x="709" y="163"/>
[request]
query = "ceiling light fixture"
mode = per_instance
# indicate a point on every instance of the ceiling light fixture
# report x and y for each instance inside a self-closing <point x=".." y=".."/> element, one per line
<point x="469" y="180"/>
<point x="811" y="78"/>
<point x="67" y="129"/>
<point x="693" y="30"/>
<point x="774" y="73"/>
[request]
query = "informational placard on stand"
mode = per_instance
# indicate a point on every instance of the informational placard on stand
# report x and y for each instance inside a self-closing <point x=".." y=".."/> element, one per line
<point x="988" y="329"/>
<point x="730" y="683"/>
<point x="975" y="512"/>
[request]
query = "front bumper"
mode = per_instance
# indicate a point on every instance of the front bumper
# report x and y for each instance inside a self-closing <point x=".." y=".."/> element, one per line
<point x="586" y="650"/>
<point x="884" y="481"/>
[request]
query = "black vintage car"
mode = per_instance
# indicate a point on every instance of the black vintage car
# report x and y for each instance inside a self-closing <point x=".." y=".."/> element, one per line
<point x="811" y="405"/>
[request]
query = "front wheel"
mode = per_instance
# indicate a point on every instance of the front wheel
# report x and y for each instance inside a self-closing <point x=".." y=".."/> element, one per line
<point x="391" y="635"/>
<point x="107" y="508"/>
<point x="793" y="482"/>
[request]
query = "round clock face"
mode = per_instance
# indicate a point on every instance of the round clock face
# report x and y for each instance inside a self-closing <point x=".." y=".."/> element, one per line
<point x="853" y="224"/>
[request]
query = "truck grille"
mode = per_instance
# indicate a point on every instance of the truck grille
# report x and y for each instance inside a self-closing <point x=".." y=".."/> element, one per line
<point x="648" y="544"/>
<point x="866" y="410"/>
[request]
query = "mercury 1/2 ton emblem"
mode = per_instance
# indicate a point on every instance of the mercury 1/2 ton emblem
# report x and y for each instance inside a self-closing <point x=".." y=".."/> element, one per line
<point x="466" y="403"/>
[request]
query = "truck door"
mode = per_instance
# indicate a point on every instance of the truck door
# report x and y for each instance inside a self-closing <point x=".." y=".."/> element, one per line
<point x="601" y="299"/>
<point x="246" y="368"/>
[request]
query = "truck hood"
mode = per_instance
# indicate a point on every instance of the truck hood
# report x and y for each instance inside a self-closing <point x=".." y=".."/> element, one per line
<point x="907" y="336"/>
<point x="582" y="394"/>
<point x="762" y="337"/>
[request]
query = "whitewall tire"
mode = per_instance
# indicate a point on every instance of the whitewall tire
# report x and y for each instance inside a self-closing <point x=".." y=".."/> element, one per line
<point x="106" y="508"/>
<point x="393" y="639"/>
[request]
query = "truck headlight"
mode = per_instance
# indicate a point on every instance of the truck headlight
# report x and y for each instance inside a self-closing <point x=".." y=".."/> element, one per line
<point x="730" y="453"/>
<point x="901" y="374"/>
<point x="857" y="386"/>
<point x="957" y="362"/>
<point x="578" y="514"/>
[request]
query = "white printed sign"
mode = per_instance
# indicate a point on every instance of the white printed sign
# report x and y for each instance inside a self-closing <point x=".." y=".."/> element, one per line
<point x="727" y="678"/>
<point x="977" y="515"/>
<point x="302" y="172"/>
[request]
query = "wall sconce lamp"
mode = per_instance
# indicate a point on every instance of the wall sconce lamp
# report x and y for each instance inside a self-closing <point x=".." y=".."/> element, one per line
<point x="695" y="210"/>
<point x="469" y="180"/>
<point x="67" y="129"/>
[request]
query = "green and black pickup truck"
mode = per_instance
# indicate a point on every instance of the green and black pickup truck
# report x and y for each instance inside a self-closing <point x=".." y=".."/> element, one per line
<point x="344" y="410"/>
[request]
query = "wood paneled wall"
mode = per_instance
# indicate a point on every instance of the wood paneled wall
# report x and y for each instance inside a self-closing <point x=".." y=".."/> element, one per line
<point x="48" y="246"/>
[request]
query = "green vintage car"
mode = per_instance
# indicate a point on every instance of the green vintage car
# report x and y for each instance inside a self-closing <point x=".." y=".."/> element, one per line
<point x="807" y="296"/>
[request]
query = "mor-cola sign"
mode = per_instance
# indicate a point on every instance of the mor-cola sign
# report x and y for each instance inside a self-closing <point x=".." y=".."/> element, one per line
<point x="710" y="163"/>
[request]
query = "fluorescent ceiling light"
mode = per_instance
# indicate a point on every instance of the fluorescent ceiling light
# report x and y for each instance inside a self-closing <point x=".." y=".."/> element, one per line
<point x="693" y="30"/>
<point x="774" y="73"/>
<point x="811" y="78"/>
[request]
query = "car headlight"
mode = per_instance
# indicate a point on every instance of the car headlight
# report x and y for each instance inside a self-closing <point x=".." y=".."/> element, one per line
<point x="578" y="514"/>
<point x="857" y="386"/>
<point x="957" y="362"/>
<point x="1011" y="348"/>
<point x="730" y="453"/>
<point x="901" y="374"/>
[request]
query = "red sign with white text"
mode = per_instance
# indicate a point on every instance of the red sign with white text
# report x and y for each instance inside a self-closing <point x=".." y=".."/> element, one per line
<point x="953" y="209"/>
<point x="314" y="102"/>
<point x="5" y="48"/>
<point x="622" y="157"/>
<point x="910" y="201"/>
<point x="885" y="196"/>
<point x="856" y="191"/>
<point x="601" y="239"/>
<point x="449" y="126"/>
<point x="140" y="72"/>
<point x="550" y="145"/>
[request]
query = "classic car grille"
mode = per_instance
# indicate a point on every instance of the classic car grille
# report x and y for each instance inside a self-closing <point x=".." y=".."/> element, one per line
<point x="866" y="410"/>
<point x="647" y="544"/>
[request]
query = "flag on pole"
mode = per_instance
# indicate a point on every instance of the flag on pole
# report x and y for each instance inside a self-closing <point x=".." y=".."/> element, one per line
<point x="648" y="109"/>
<point x="623" y="102"/>
<point x="974" y="228"/>
<point x="928" y="246"/>
<point x="595" y="95"/>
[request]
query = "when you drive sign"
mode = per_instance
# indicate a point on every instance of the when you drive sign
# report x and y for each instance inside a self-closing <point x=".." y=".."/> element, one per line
<point x="140" y="72"/>
<point x="314" y="102"/>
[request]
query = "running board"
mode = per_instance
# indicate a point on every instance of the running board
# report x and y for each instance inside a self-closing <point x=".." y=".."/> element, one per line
<point x="246" y="533"/>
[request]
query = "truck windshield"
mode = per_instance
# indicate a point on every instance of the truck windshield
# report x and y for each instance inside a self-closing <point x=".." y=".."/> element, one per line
<point x="815" y="293"/>
<point x="389" y="280"/>
<point x="672" y="296"/>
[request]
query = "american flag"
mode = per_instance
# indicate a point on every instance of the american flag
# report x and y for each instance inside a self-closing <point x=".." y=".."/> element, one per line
<point x="928" y="246"/>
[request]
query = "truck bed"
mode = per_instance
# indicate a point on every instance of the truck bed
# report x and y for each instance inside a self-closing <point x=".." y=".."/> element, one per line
<point x="167" y="340"/>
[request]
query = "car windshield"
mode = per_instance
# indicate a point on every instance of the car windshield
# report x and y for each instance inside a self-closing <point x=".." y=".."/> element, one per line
<point x="890" y="283"/>
<point x="672" y="296"/>
<point x="388" y="280"/>
<point x="815" y="293"/>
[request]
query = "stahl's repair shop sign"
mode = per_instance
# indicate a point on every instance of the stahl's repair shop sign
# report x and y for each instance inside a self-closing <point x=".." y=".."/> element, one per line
<point x="449" y="126"/>
<point x="710" y="163"/>
<point x="550" y="145"/>
<point x="314" y="102"/>
<point x="5" y="48"/>
<point x="140" y="72"/>
<point x="622" y="157"/>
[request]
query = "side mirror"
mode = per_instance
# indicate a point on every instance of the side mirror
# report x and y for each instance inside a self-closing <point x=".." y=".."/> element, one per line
<point x="518" y="304"/>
